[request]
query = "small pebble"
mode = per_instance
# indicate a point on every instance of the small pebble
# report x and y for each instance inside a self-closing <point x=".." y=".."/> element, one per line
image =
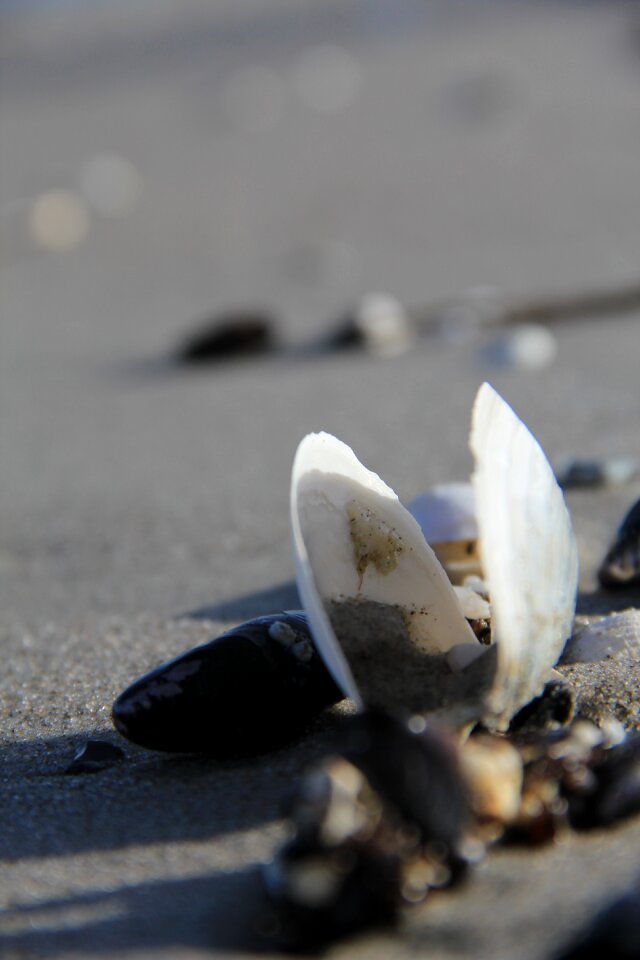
<point x="526" y="347"/>
<point x="606" y="472"/>
<point x="232" y="335"/>
<point x="94" y="756"/>
<point x="378" y="324"/>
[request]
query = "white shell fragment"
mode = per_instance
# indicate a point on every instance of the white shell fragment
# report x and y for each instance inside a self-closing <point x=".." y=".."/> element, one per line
<point x="528" y="551"/>
<point x="354" y="541"/>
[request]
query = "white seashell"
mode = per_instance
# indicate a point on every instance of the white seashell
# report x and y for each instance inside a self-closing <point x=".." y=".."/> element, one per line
<point x="356" y="546"/>
<point x="354" y="541"/>
<point x="447" y="517"/>
<point x="528" y="551"/>
<point x="446" y="512"/>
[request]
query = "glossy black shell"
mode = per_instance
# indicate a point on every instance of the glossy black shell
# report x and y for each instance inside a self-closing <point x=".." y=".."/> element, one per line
<point x="621" y="566"/>
<point x="247" y="691"/>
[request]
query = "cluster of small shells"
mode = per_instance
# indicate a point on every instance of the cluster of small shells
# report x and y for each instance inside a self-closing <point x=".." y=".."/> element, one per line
<point x="443" y="623"/>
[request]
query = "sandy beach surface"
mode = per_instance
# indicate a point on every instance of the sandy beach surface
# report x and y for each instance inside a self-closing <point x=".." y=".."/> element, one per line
<point x="161" y="164"/>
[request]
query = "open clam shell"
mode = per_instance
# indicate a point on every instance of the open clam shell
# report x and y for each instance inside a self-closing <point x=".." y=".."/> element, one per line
<point x="382" y="610"/>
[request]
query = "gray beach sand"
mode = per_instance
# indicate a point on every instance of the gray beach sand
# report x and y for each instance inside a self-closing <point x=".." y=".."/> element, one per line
<point x="144" y="508"/>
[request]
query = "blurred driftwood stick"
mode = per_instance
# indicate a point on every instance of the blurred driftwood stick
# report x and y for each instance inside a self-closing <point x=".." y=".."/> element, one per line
<point x="490" y="307"/>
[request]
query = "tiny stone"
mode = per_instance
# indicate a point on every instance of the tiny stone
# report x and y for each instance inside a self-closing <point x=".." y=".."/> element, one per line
<point x="528" y="347"/>
<point x="609" y="471"/>
<point x="554" y="708"/>
<point x="94" y="756"/>
<point x="379" y="324"/>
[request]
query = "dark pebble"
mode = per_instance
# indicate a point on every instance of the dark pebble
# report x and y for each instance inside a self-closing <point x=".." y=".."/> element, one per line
<point x="621" y="566"/>
<point x="612" y="471"/>
<point x="554" y="708"/>
<point x="229" y="336"/>
<point x="94" y="756"/>
<point x="249" y="690"/>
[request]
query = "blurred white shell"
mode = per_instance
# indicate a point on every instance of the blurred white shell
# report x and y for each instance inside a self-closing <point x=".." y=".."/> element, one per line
<point x="446" y="512"/>
<point x="447" y="517"/>
<point x="354" y="541"/>
<point x="528" y="552"/>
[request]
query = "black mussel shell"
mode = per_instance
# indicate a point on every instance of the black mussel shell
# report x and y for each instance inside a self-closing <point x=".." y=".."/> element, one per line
<point x="376" y="825"/>
<point x="613" y="791"/>
<point x="234" y="335"/>
<point x="613" y="935"/>
<point x="247" y="691"/>
<point x="621" y="566"/>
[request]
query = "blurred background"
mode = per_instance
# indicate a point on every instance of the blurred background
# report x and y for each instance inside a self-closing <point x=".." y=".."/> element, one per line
<point x="163" y="160"/>
<point x="166" y="163"/>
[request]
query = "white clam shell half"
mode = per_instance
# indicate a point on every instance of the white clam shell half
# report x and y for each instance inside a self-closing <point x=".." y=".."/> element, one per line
<point x="354" y="541"/>
<point x="528" y="553"/>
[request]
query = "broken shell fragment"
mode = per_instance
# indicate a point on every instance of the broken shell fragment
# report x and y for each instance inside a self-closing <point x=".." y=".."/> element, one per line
<point x="250" y="689"/>
<point x="621" y="566"/>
